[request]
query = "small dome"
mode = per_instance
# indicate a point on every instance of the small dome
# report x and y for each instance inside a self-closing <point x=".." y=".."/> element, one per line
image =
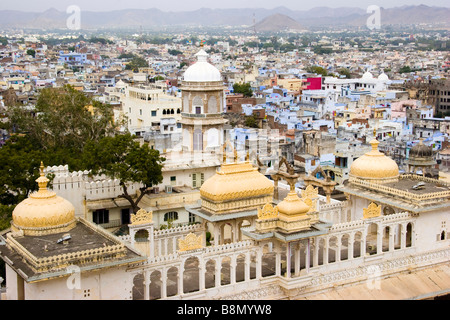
<point x="202" y="71"/>
<point x="292" y="206"/>
<point x="374" y="165"/>
<point x="236" y="181"/>
<point x="43" y="212"/>
<point x="421" y="151"/>
<point x="383" y="77"/>
<point x="367" y="75"/>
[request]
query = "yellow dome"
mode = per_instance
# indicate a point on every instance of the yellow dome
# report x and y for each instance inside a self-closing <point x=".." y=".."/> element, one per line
<point x="374" y="165"/>
<point x="292" y="206"/>
<point x="236" y="187"/>
<point x="43" y="212"/>
<point x="236" y="181"/>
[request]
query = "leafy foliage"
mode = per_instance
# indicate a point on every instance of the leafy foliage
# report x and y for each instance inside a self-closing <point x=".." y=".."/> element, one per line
<point x="121" y="157"/>
<point x="244" y="88"/>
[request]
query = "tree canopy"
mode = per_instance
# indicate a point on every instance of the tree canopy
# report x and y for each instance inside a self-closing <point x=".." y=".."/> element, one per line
<point x="243" y="88"/>
<point x="121" y="157"/>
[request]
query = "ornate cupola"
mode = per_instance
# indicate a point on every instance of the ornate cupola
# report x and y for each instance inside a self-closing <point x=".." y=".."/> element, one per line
<point x="203" y="101"/>
<point x="43" y="212"/>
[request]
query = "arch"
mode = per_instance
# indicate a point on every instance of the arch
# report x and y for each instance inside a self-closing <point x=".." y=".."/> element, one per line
<point x="268" y="260"/>
<point x="172" y="281"/>
<point x="212" y="105"/>
<point x="240" y="267"/>
<point x="371" y="238"/>
<point x="171" y="216"/>
<point x="225" y="271"/>
<point x="197" y="105"/>
<point x="178" y="111"/>
<point x="155" y="285"/>
<point x="357" y="244"/>
<point x="172" y="111"/>
<point x="387" y="210"/>
<point x="345" y="241"/>
<point x="191" y="275"/>
<point x="138" y="287"/>
<point x="332" y="249"/>
<point x="385" y="241"/>
<point x="409" y="234"/>
<point x="443" y="235"/>
<point x="253" y="265"/>
<point x="186" y="138"/>
<point x="210" y="274"/>
<point x="164" y="111"/>
<point x="320" y="251"/>
<point x="141" y="235"/>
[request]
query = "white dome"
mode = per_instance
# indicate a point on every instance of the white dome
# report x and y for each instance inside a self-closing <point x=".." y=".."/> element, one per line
<point x="383" y="77"/>
<point x="202" y="71"/>
<point x="367" y="75"/>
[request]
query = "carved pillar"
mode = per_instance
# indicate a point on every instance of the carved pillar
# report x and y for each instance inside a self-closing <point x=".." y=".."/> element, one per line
<point x="180" y="280"/>
<point x="391" y="238"/>
<point x="164" y="283"/>
<point x="316" y="253"/>
<point x="351" y="240"/>
<point x="308" y="255"/>
<point x="201" y="276"/>
<point x="259" y="255"/>
<point x="288" y="260"/>
<point x="277" y="261"/>
<point x="146" y="285"/>
<point x="233" y="270"/>
<point x="247" y="265"/>
<point x="325" y="251"/>
<point x="338" y="249"/>
<point x="379" y="240"/>
<point x="218" y="267"/>
<point x="297" y="259"/>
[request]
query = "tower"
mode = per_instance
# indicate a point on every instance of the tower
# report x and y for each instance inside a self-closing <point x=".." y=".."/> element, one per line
<point x="203" y="104"/>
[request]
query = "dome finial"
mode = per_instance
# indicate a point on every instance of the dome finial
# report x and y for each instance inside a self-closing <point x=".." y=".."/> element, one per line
<point x="42" y="180"/>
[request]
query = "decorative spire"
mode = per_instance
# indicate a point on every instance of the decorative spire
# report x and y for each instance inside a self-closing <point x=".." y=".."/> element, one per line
<point x="42" y="180"/>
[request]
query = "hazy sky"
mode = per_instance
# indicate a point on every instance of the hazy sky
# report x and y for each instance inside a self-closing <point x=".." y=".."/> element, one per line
<point x="183" y="5"/>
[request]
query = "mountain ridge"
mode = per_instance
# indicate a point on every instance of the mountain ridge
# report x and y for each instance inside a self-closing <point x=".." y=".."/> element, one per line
<point x="325" y="16"/>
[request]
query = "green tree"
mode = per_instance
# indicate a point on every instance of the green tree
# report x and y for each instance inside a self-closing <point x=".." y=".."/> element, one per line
<point x="136" y="63"/>
<point x="251" y="122"/>
<point x="244" y="88"/>
<point x="122" y="157"/>
<point x="345" y="72"/>
<point x="405" y="69"/>
<point x="63" y="117"/>
<point x="317" y="70"/>
<point x="31" y="52"/>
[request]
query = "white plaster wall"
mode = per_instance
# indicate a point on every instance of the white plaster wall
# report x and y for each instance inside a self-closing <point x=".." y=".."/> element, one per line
<point x="109" y="284"/>
<point x="428" y="226"/>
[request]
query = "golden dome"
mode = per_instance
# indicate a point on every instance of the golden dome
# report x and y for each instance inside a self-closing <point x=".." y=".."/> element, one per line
<point x="292" y="206"/>
<point x="231" y="188"/>
<point x="43" y="212"/>
<point x="236" y="181"/>
<point x="374" y="165"/>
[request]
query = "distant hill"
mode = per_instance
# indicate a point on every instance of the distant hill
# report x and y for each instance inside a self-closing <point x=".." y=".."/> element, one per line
<point x="278" y="22"/>
<point x="278" y="18"/>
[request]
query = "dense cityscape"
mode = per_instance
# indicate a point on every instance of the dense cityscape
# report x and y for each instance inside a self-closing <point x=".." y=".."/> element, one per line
<point x="269" y="161"/>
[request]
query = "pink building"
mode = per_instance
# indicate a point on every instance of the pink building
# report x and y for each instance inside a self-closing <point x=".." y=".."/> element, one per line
<point x="398" y="109"/>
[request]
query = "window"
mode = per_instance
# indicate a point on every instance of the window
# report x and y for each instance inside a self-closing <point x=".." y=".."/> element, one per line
<point x="173" y="180"/>
<point x="198" y="110"/>
<point x="100" y="216"/>
<point x="153" y="113"/>
<point x="171" y="216"/>
<point x="191" y="218"/>
<point x="140" y="112"/>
